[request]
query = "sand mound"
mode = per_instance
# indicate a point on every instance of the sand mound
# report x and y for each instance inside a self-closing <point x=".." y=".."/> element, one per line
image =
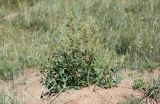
<point x="28" y="89"/>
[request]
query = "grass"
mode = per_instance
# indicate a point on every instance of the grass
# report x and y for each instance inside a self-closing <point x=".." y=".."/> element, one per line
<point x="133" y="100"/>
<point x="5" y="99"/>
<point x="150" y="89"/>
<point x="138" y="84"/>
<point x="128" y="31"/>
<point x="153" y="89"/>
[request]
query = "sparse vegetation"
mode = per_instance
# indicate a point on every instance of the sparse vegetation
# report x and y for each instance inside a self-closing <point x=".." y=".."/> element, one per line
<point x="138" y="84"/>
<point x="153" y="89"/>
<point x="4" y="99"/>
<point x="133" y="100"/>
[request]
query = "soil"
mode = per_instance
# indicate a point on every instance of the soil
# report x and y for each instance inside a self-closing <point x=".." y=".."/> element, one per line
<point x="28" y="89"/>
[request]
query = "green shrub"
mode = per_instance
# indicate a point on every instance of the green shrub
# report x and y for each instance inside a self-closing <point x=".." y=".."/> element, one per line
<point x="75" y="69"/>
<point x="79" y="62"/>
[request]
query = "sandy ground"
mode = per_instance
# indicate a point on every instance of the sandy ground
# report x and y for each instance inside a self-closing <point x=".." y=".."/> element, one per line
<point x="28" y="89"/>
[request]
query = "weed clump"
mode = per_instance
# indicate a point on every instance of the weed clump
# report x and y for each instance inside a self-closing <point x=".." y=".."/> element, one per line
<point x="153" y="89"/>
<point x="138" y="84"/>
<point x="75" y="69"/>
<point x="78" y="63"/>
